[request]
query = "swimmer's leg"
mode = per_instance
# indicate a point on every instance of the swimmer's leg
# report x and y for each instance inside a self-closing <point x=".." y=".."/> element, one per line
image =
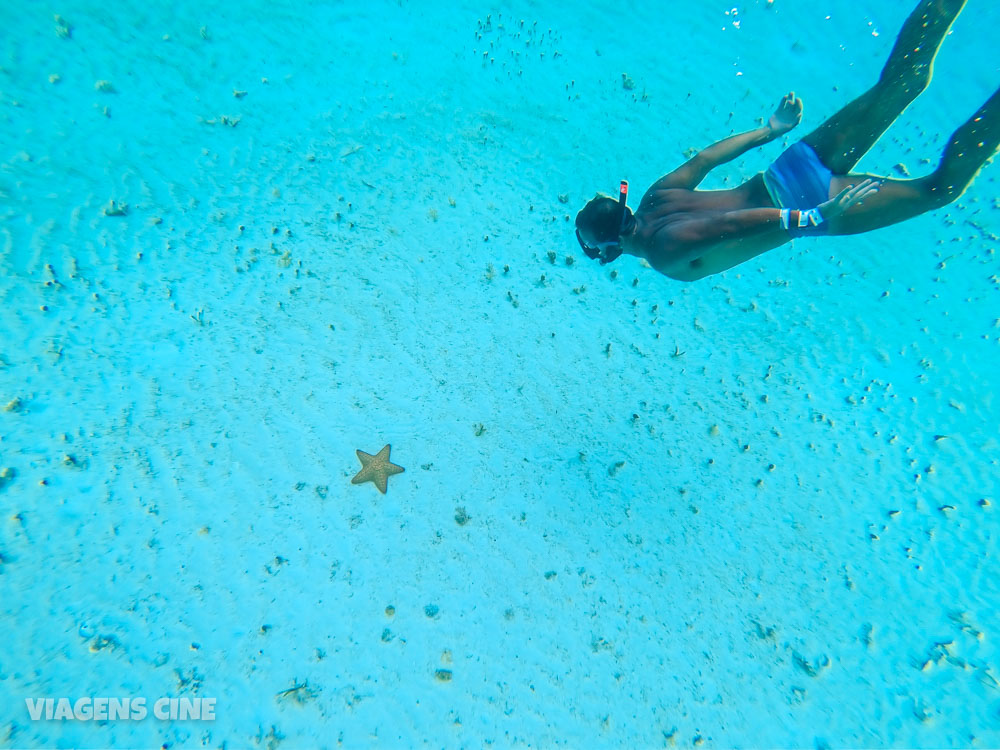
<point x="968" y="149"/>
<point x="842" y="140"/>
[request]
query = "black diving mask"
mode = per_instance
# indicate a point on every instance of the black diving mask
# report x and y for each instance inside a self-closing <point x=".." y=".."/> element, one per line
<point x="609" y="250"/>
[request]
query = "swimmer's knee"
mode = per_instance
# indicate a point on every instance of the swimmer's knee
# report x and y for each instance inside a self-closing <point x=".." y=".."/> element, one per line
<point x="905" y="81"/>
<point x="940" y="189"/>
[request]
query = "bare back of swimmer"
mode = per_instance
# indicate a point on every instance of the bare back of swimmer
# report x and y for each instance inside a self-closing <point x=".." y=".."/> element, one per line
<point x="688" y="234"/>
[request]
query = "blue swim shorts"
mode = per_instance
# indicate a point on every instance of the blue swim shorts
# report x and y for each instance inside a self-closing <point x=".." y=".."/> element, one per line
<point x="798" y="179"/>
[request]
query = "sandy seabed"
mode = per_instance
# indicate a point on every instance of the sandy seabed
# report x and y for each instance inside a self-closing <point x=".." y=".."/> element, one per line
<point x="754" y="511"/>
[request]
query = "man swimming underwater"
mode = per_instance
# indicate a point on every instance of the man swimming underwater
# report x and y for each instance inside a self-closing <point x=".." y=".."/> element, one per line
<point x="688" y="234"/>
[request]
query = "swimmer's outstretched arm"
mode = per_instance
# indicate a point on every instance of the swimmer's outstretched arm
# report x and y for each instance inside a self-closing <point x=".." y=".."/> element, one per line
<point x="689" y="175"/>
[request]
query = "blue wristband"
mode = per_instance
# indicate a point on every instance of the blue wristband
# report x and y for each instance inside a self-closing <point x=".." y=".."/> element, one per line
<point x="808" y="222"/>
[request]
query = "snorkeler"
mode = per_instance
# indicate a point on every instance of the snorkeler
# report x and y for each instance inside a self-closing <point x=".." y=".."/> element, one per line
<point x="688" y="234"/>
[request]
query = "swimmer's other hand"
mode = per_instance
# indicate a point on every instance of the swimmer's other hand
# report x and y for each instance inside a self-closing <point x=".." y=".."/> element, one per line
<point x="786" y="116"/>
<point x="849" y="196"/>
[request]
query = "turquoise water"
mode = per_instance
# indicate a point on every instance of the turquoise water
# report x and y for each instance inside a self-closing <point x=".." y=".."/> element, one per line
<point x="759" y="510"/>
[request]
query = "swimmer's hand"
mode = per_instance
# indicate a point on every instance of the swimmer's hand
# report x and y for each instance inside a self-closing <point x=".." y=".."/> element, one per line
<point x="849" y="196"/>
<point x="786" y="116"/>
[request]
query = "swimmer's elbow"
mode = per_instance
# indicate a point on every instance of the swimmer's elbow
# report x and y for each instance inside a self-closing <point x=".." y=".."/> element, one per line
<point x="691" y="270"/>
<point x="742" y="224"/>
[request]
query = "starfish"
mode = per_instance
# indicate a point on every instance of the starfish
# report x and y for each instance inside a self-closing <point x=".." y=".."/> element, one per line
<point x="376" y="469"/>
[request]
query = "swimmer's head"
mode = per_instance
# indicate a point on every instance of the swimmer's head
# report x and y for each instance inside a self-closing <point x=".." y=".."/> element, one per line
<point x="599" y="226"/>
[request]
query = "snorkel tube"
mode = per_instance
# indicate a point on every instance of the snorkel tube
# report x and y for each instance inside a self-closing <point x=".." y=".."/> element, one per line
<point x="610" y="255"/>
